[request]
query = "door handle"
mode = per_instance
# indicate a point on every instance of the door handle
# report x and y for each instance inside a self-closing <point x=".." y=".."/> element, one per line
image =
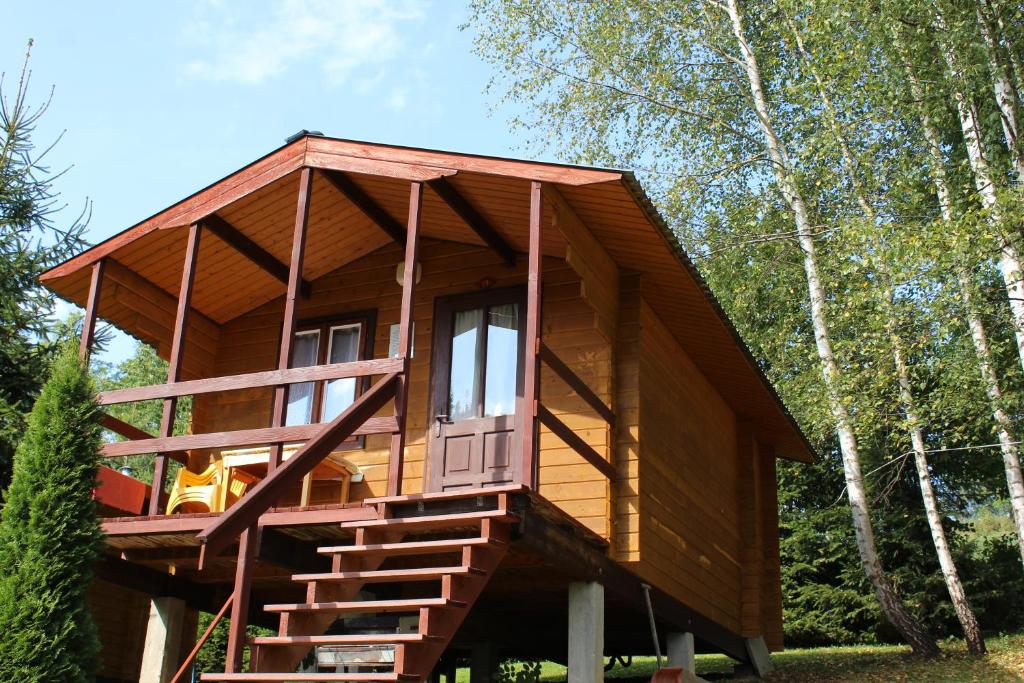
<point x="438" y="421"/>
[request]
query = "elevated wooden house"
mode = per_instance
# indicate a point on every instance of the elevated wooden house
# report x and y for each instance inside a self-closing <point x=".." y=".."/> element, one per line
<point x="445" y="406"/>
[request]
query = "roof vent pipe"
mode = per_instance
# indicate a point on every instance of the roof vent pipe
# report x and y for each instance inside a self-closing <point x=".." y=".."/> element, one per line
<point x="301" y="134"/>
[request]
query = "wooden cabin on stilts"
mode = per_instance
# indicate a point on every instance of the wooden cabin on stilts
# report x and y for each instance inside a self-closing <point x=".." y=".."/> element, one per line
<point x="446" y="409"/>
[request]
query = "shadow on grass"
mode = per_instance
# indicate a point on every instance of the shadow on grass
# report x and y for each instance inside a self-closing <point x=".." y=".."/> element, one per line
<point x="870" y="663"/>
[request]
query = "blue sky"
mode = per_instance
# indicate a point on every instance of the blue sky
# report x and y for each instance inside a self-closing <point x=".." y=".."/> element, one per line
<point x="158" y="99"/>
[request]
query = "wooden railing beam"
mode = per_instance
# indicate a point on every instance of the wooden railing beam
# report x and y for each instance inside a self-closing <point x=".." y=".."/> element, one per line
<point x="244" y="245"/>
<point x="247" y="511"/>
<point x="252" y="380"/>
<point x="187" y="664"/>
<point x="396" y="461"/>
<point x="188" y="275"/>
<point x="531" y="362"/>
<point x="575" y="383"/>
<point x="280" y="407"/>
<point x="238" y="438"/>
<point x="247" y="546"/>
<point x="573" y="440"/>
<point x="92" y="306"/>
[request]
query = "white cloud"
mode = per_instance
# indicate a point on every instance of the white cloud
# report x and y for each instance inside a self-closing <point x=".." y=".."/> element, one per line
<point x="397" y="99"/>
<point x="249" y="43"/>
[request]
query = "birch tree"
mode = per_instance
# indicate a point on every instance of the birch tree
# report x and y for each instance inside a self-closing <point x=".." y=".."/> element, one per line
<point x="986" y="178"/>
<point x="897" y="349"/>
<point x="703" y="107"/>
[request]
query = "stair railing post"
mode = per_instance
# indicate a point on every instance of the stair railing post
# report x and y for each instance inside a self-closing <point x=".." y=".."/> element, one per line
<point x="92" y="306"/>
<point x="247" y="543"/>
<point x="188" y="275"/>
<point x="284" y="357"/>
<point x="396" y="462"/>
<point x="531" y="360"/>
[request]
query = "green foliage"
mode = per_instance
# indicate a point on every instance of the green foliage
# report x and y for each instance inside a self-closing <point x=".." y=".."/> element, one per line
<point x="660" y="87"/>
<point x="50" y="535"/>
<point x="30" y="243"/>
<point x="519" y="671"/>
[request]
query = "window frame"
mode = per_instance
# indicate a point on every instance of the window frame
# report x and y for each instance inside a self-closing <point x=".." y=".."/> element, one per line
<point x="324" y="326"/>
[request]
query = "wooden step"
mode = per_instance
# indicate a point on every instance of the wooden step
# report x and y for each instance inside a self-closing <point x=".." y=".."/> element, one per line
<point x="431" y="522"/>
<point x="389" y="575"/>
<point x="447" y="545"/>
<point x="274" y="678"/>
<point x="365" y="606"/>
<point x="484" y="492"/>
<point x="357" y="639"/>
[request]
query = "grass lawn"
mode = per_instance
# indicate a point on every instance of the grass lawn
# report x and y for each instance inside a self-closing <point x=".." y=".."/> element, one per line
<point x="1005" y="662"/>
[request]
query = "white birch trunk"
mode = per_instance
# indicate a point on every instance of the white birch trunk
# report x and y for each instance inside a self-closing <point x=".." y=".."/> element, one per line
<point x="957" y="595"/>
<point x="965" y="613"/>
<point x="919" y="640"/>
<point x="1003" y="90"/>
<point x="984" y="181"/>
<point x="979" y="336"/>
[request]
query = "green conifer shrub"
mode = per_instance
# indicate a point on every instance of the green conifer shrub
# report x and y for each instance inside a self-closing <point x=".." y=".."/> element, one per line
<point x="50" y="536"/>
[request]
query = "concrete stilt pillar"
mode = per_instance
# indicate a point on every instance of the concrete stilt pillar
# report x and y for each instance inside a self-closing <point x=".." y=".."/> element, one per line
<point x="760" y="659"/>
<point x="681" y="652"/>
<point x="586" y="633"/>
<point x="483" y="663"/>
<point x="162" y="650"/>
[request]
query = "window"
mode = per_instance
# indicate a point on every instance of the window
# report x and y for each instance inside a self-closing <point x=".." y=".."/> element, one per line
<point x="338" y="341"/>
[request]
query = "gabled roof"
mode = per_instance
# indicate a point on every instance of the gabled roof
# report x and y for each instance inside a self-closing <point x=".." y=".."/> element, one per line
<point x="258" y="202"/>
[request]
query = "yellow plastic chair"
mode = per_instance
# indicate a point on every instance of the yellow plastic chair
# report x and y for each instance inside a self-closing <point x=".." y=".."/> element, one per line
<point x="198" y="492"/>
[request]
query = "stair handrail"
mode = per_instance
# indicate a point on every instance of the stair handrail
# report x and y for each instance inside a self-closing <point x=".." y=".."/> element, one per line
<point x="187" y="664"/>
<point x="263" y="496"/>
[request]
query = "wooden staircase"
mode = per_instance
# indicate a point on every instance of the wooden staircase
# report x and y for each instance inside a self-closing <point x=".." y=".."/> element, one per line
<point x="457" y="551"/>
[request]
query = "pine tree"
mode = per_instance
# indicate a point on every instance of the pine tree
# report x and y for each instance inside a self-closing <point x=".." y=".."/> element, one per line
<point x="50" y="535"/>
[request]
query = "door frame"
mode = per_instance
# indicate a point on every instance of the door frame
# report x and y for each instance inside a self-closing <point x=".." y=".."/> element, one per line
<point x="440" y="366"/>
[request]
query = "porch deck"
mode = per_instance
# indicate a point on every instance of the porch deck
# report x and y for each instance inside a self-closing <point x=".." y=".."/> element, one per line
<point x="524" y="605"/>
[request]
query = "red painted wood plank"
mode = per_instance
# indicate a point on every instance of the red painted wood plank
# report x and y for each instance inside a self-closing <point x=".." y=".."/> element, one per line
<point x="396" y="461"/>
<point x="188" y="276"/>
<point x="531" y="364"/>
<point x="299" y="233"/>
<point x="119" y="491"/>
<point x="91" y="310"/>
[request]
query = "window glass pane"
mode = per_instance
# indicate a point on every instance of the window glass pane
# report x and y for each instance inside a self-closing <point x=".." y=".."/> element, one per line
<point x="344" y="348"/>
<point x="502" y="360"/>
<point x="300" y="396"/>
<point x="464" y="382"/>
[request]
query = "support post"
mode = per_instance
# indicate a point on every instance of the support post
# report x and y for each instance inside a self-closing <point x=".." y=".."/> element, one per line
<point x="531" y="361"/>
<point x="92" y="306"/>
<point x="188" y="275"/>
<point x="681" y="652"/>
<point x="586" y="632"/>
<point x="162" y="648"/>
<point x="483" y="662"/>
<point x="247" y="543"/>
<point x="284" y="355"/>
<point x="396" y="463"/>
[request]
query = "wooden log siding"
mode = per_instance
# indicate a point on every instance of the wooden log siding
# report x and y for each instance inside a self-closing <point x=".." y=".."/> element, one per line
<point x="578" y="385"/>
<point x="249" y="344"/>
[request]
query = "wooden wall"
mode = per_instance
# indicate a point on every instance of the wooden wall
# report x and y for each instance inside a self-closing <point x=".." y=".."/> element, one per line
<point x="249" y="344"/>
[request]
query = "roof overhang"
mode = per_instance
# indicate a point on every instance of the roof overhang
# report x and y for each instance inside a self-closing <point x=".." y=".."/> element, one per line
<point x="362" y="213"/>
